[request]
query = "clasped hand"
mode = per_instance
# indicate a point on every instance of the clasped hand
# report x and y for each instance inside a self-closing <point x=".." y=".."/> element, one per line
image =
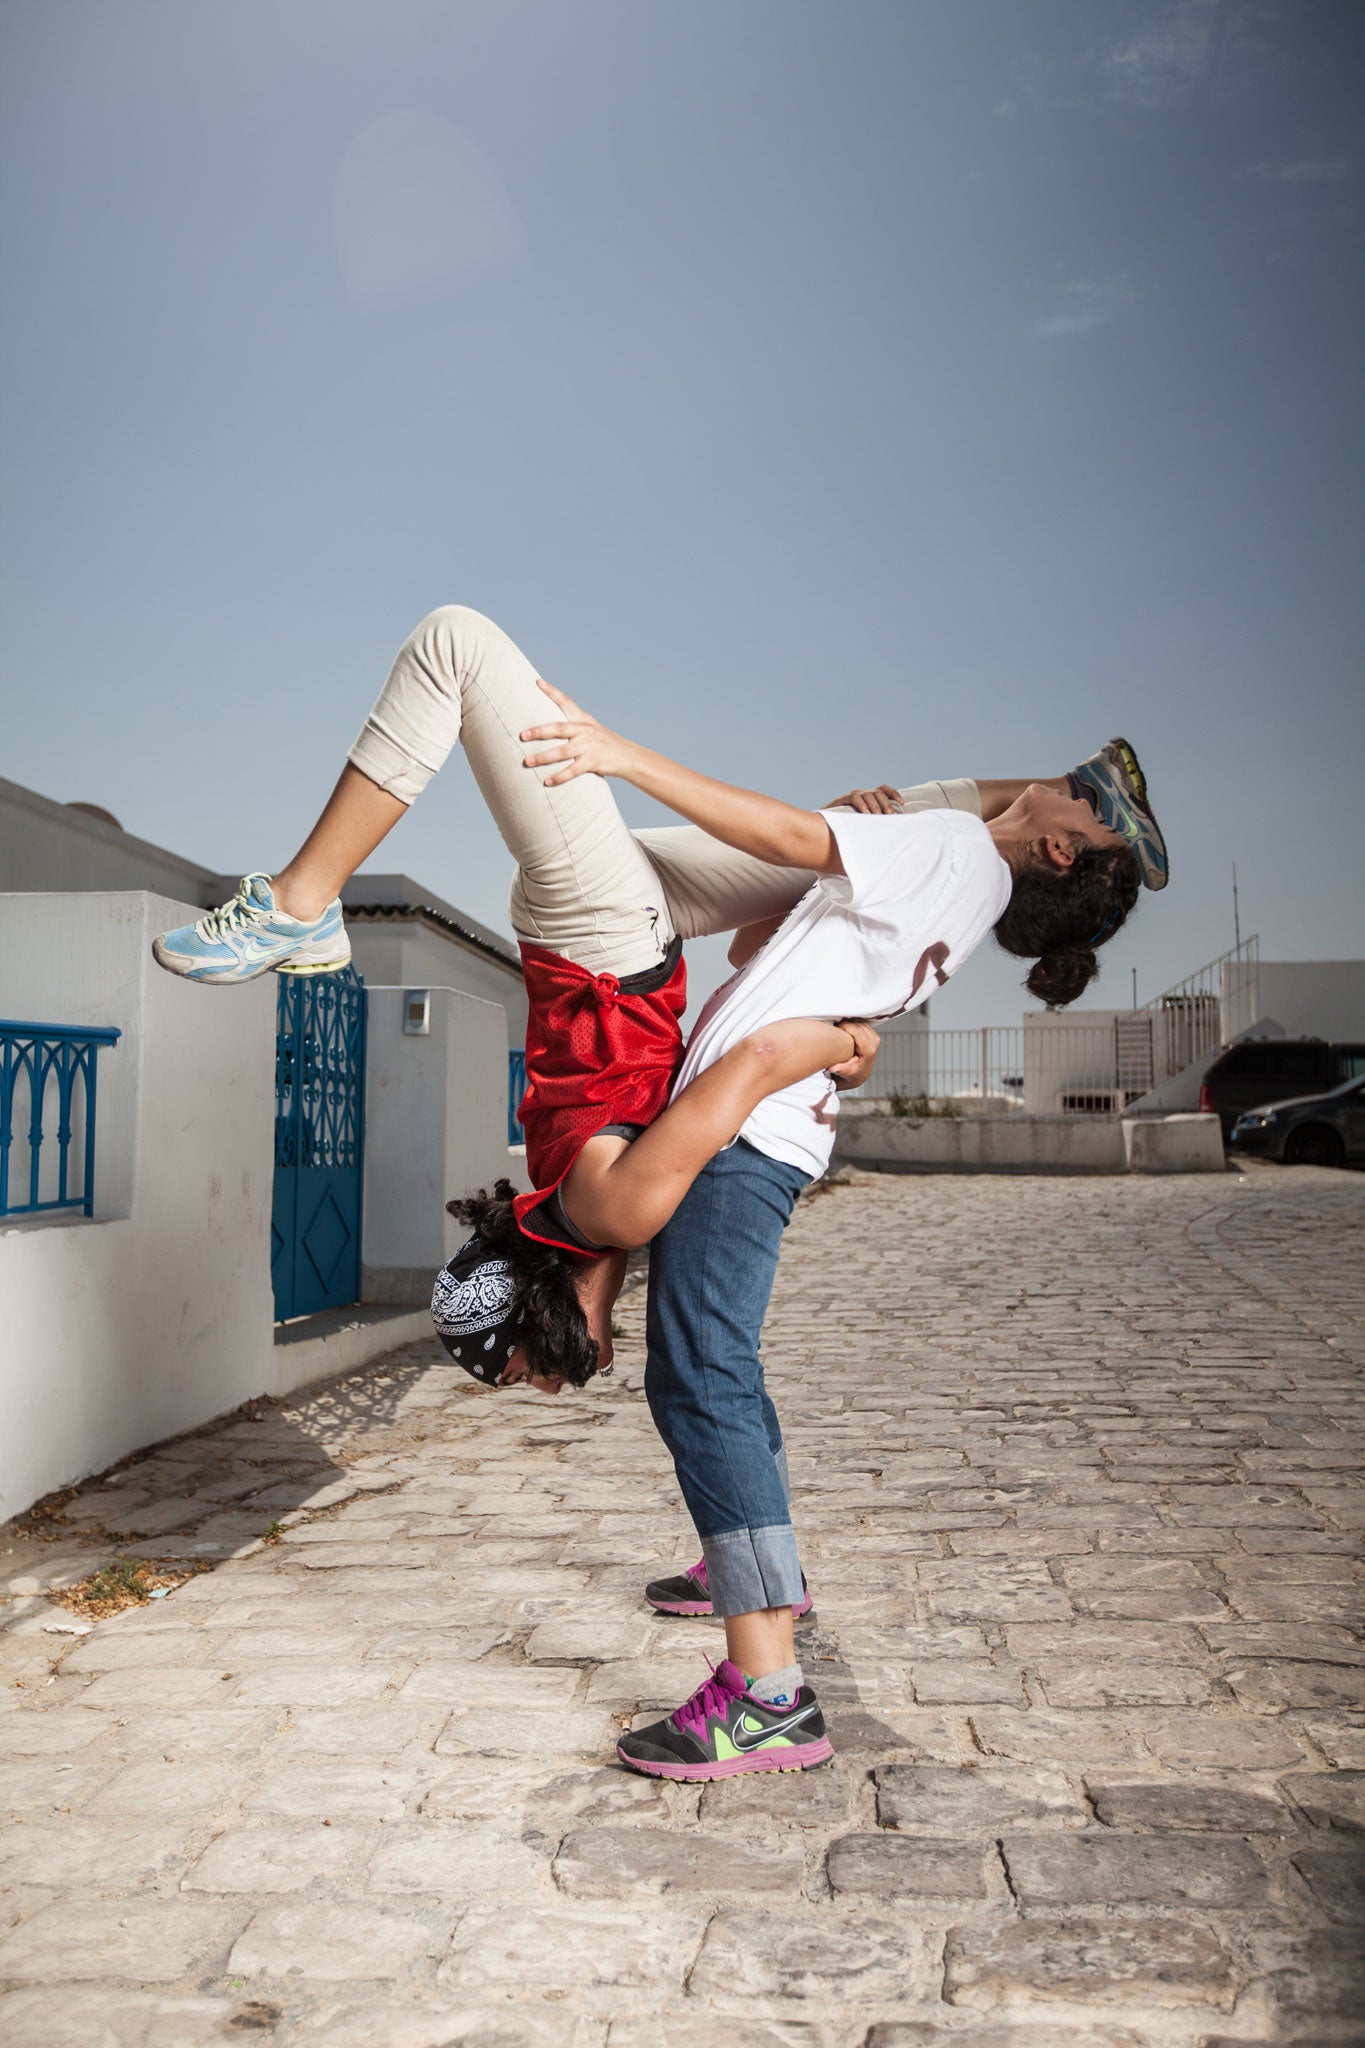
<point x="580" y="743"/>
<point x="881" y="802"/>
<point x="852" y="1072"/>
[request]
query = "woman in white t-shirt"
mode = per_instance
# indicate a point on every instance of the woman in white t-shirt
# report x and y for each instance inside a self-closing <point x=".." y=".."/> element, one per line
<point x="883" y="911"/>
<point x="898" y="904"/>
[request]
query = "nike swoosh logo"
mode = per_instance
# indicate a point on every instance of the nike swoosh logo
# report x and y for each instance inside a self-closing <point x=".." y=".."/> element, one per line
<point x="740" y="1734"/>
<point x="255" y="946"/>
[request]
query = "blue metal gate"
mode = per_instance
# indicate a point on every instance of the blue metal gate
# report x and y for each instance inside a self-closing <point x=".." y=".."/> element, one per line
<point x="319" y="1142"/>
<point x="516" y="1088"/>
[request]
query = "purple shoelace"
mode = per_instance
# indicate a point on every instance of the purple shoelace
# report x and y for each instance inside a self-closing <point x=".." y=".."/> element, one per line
<point x="710" y="1700"/>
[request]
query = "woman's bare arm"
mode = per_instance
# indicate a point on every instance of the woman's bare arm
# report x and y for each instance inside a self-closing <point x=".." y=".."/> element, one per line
<point x="626" y="1198"/>
<point x="750" y="937"/>
<point x="782" y="834"/>
<point x="995" y="797"/>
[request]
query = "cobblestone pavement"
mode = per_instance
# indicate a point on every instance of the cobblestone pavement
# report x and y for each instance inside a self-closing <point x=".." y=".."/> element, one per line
<point x="1076" y="1468"/>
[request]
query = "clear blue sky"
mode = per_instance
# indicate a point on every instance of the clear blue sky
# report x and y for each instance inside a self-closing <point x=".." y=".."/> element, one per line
<point x="819" y="391"/>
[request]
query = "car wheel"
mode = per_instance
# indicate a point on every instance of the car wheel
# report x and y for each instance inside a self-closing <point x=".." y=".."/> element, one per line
<point x="1314" y="1145"/>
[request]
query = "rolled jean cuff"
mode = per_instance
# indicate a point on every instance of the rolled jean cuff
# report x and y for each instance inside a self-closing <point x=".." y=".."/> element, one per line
<point x="749" y="1569"/>
<point x="387" y="765"/>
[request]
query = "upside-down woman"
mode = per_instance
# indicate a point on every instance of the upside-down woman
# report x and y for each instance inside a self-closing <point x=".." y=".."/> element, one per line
<point x="885" y="910"/>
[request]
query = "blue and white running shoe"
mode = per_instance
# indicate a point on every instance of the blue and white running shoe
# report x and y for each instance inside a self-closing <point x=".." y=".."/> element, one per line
<point x="249" y="936"/>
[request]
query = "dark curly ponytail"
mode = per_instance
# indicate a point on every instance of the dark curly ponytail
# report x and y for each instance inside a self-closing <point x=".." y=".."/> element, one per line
<point x="554" y="1329"/>
<point x="1057" y="916"/>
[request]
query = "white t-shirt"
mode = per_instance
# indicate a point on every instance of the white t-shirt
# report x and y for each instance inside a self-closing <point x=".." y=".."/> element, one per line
<point x="918" y="895"/>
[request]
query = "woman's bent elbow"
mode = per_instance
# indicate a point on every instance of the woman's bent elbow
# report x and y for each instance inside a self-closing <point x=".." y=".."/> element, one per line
<point x="757" y="1053"/>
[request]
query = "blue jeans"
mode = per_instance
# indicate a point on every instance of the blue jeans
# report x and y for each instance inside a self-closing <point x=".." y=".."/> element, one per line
<point x="711" y="1272"/>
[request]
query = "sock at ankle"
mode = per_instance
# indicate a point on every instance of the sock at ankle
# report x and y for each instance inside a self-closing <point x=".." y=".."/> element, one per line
<point x="779" y="1688"/>
<point x="1082" y="789"/>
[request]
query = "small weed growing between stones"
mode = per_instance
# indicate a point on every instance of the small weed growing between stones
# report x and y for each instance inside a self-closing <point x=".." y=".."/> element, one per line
<point x="128" y="1582"/>
<point x="920" y="1106"/>
<point x="273" y="1533"/>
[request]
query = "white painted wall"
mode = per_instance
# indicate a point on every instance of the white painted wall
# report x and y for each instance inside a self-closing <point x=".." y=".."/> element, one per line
<point x="436" y="1127"/>
<point x="980" y="1144"/>
<point x="1173" y="1144"/>
<point x="1029" y="1144"/>
<point x="1315" y="998"/>
<point x="1069" y="1055"/>
<point x="47" y="845"/>
<point x="157" y="1314"/>
<point x="404" y="950"/>
<point x="403" y="953"/>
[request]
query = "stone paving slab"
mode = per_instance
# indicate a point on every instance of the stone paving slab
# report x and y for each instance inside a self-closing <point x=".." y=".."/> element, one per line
<point x="1078" y="1477"/>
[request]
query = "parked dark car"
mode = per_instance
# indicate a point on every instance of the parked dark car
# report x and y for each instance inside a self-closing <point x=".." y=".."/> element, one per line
<point x="1309" y="1130"/>
<point x="1262" y="1070"/>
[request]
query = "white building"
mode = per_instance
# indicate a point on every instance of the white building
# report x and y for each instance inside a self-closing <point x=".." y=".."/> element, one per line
<point x="1154" y="1058"/>
<point x="402" y="934"/>
<point x="1314" y="998"/>
<point x="141" y="1304"/>
<point x="1079" y="1062"/>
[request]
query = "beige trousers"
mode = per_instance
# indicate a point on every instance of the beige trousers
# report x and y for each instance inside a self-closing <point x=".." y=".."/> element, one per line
<point x="586" y="886"/>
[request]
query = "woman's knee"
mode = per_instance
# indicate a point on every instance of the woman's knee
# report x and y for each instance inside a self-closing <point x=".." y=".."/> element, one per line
<point x="662" y="1389"/>
<point x="443" y="636"/>
<point x="457" y="618"/>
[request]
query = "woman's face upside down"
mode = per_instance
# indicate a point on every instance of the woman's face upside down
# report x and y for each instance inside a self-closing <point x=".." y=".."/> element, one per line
<point x="599" y="1282"/>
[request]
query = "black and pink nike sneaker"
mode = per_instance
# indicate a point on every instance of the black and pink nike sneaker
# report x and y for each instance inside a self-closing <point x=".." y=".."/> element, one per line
<point x="723" y="1731"/>
<point x="690" y="1594"/>
<point x="1118" y="791"/>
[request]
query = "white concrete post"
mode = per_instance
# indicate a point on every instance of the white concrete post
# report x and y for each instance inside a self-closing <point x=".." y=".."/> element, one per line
<point x="435" y="1127"/>
<point x="1173" y="1144"/>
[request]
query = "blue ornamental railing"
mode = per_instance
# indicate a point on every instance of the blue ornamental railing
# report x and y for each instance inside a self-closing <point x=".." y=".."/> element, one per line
<point x="516" y="1088"/>
<point x="48" y="1070"/>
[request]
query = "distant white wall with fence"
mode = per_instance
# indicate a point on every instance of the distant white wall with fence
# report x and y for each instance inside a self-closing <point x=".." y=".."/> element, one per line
<point x="1040" y="1068"/>
<point x="1085" y="1063"/>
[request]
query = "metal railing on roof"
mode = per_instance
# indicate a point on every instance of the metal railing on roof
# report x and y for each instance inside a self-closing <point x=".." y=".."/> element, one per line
<point x="1209" y="1007"/>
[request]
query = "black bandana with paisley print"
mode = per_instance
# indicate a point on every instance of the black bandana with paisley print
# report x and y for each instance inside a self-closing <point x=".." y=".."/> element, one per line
<point x="473" y="1306"/>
